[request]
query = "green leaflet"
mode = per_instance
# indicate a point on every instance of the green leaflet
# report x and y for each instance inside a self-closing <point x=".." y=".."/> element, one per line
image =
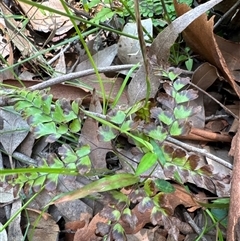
<point x="147" y="161"/>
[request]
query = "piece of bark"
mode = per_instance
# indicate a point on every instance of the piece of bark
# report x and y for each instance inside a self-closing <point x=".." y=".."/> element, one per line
<point x="233" y="232"/>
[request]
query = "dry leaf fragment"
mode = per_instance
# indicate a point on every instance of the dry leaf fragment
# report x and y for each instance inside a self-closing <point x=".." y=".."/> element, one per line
<point x="163" y="42"/>
<point x="200" y="37"/>
<point x="14" y="229"/>
<point x="44" y="20"/>
<point x="14" y="131"/>
<point x="42" y="229"/>
<point x="205" y="75"/>
<point x="3" y="234"/>
<point x="179" y="196"/>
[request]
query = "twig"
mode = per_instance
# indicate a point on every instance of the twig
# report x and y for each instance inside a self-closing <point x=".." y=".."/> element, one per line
<point x="23" y="158"/>
<point x="60" y="52"/>
<point x="201" y="151"/>
<point x="224" y="107"/>
<point x="193" y="224"/>
<point x="72" y="76"/>
<point x="226" y="15"/>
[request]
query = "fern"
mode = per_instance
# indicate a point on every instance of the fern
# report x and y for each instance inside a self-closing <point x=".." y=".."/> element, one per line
<point x="45" y="119"/>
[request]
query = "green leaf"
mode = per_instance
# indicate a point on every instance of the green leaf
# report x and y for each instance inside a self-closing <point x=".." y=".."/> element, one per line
<point x="51" y="182"/>
<point x="75" y="107"/>
<point x="21" y="105"/>
<point x="166" y="117"/>
<point x="62" y="129"/>
<point x="38" y="183"/>
<point x="147" y="161"/>
<point x="118" y="118"/>
<point x="182" y="112"/>
<point x="83" y="151"/>
<point x="45" y="129"/>
<point x="102" y="185"/>
<point x="116" y="215"/>
<point x="75" y="126"/>
<point x="185" y="96"/>
<point x="189" y="64"/>
<point x="159" y="133"/>
<point x="39" y="118"/>
<point x="175" y="129"/>
<point x="70" y="116"/>
<point x="220" y="215"/>
<point x="46" y="105"/>
<point x="67" y="154"/>
<point x="149" y="187"/>
<point x="58" y="114"/>
<point x="180" y="83"/>
<point x="164" y="186"/>
<point x="37" y="101"/>
<point x="136" y="107"/>
<point x="120" y="197"/>
<point x="84" y="165"/>
<point x="126" y="126"/>
<point x="106" y="133"/>
<point x="118" y="232"/>
<point x="158" y="151"/>
<point x="177" y="177"/>
<point x="103" y="15"/>
<point x="31" y="111"/>
<point x="172" y="76"/>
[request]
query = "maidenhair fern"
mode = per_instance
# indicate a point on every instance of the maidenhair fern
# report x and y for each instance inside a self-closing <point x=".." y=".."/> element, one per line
<point x="45" y="119"/>
<point x="71" y="162"/>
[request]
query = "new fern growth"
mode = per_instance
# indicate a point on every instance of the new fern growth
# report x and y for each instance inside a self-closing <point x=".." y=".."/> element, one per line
<point x="45" y="120"/>
<point x="53" y="120"/>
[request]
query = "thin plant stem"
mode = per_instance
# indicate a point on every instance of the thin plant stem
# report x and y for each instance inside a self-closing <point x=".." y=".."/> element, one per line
<point x="143" y="50"/>
<point x="89" y="56"/>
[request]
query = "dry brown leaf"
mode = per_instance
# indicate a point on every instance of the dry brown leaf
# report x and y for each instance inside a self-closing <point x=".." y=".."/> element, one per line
<point x="163" y="42"/>
<point x="111" y="86"/>
<point x="14" y="131"/>
<point x="73" y="226"/>
<point x="159" y="51"/>
<point x="216" y="125"/>
<point x="231" y="53"/>
<point x="15" y="35"/>
<point x="146" y="235"/>
<point x="200" y="37"/>
<point x="69" y="92"/>
<point x="205" y="75"/>
<point x="42" y="229"/>
<point x="88" y="233"/>
<point x="44" y="20"/>
<point x="137" y="87"/>
<point x="89" y="136"/>
<point x="61" y="67"/>
<point x="14" y="229"/>
<point x="179" y="196"/>
<point x="59" y="91"/>
<point x="102" y="58"/>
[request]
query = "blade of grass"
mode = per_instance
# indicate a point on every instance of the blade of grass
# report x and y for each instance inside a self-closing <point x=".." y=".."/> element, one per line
<point x="89" y="56"/>
<point x="143" y="49"/>
<point x="119" y="94"/>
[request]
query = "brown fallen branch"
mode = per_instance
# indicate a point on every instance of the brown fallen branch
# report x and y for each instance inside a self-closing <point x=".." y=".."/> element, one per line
<point x="203" y="135"/>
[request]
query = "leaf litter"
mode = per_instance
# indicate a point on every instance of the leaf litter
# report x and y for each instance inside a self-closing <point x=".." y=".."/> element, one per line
<point x="190" y="176"/>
